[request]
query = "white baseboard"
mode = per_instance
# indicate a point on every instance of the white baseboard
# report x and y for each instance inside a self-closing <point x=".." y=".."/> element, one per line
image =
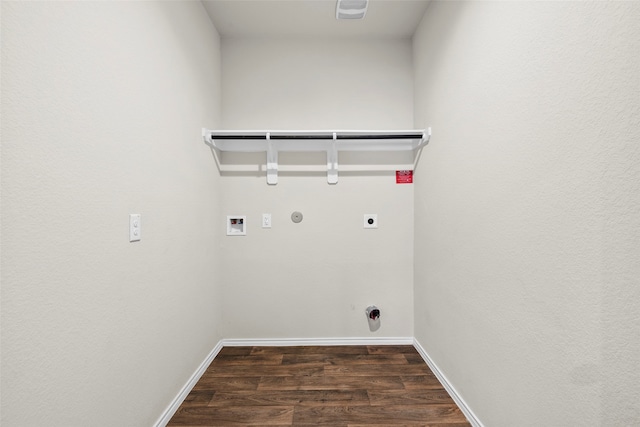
<point x="186" y="389"/>
<point x="471" y="417"/>
<point x="287" y="342"/>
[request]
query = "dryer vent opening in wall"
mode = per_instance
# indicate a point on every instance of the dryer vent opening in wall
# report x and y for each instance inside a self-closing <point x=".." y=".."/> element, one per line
<point x="373" y="317"/>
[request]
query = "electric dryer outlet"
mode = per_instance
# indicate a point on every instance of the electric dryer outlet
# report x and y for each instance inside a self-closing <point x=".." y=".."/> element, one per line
<point x="370" y="220"/>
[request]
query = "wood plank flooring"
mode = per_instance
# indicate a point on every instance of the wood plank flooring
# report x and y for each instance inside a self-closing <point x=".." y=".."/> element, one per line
<point x="342" y="386"/>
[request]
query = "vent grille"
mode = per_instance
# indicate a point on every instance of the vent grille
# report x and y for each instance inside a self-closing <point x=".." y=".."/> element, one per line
<point x="351" y="9"/>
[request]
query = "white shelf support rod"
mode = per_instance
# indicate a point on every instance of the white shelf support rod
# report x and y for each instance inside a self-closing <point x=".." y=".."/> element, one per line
<point x="332" y="161"/>
<point x="272" y="162"/>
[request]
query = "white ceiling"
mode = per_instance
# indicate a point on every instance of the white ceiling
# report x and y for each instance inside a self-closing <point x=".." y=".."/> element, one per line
<point x="313" y="18"/>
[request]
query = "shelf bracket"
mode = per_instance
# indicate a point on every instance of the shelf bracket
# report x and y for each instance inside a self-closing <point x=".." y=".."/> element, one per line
<point x="332" y="161"/>
<point x="272" y="162"/>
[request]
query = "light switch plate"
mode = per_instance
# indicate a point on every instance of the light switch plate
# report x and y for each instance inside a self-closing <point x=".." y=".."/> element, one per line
<point x="134" y="227"/>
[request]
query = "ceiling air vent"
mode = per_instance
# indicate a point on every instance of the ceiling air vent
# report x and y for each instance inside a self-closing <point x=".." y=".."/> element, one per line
<point x="351" y="9"/>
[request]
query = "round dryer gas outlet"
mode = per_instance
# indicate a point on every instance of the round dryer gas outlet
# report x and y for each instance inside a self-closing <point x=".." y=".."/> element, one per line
<point x="296" y="217"/>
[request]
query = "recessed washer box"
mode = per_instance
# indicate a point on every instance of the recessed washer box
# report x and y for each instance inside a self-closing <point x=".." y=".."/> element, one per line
<point x="236" y="225"/>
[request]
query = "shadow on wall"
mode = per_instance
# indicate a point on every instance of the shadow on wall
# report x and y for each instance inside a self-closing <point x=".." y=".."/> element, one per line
<point x="446" y="29"/>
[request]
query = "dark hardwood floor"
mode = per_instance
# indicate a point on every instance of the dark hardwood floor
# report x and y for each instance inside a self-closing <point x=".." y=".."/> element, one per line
<point x="348" y="386"/>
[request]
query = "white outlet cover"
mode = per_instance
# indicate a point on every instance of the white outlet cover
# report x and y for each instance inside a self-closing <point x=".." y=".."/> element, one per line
<point x="266" y="220"/>
<point x="135" y="228"/>
<point x="370" y="221"/>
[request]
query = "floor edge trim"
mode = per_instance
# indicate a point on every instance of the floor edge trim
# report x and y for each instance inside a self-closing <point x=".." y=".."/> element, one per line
<point x="468" y="413"/>
<point x="186" y="389"/>
<point x="287" y="342"/>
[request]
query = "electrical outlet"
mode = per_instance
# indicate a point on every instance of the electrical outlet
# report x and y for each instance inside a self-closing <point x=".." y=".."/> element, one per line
<point x="266" y="220"/>
<point x="370" y="221"/>
<point x="134" y="227"/>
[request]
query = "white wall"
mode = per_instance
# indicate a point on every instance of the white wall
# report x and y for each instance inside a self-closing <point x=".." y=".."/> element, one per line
<point x="528" y="208"/>
<point x="102" y="106"/>
<point x="315" y="279"/>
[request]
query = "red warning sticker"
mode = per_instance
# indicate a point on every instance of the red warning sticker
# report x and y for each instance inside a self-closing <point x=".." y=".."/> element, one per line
<point x="404" y="177"/>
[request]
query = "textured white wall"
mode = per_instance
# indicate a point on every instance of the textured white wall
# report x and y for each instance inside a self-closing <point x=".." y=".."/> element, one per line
<point x="314" y="279"/>
<point x="527" y="208"/>
<point x="102" y="105"/>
